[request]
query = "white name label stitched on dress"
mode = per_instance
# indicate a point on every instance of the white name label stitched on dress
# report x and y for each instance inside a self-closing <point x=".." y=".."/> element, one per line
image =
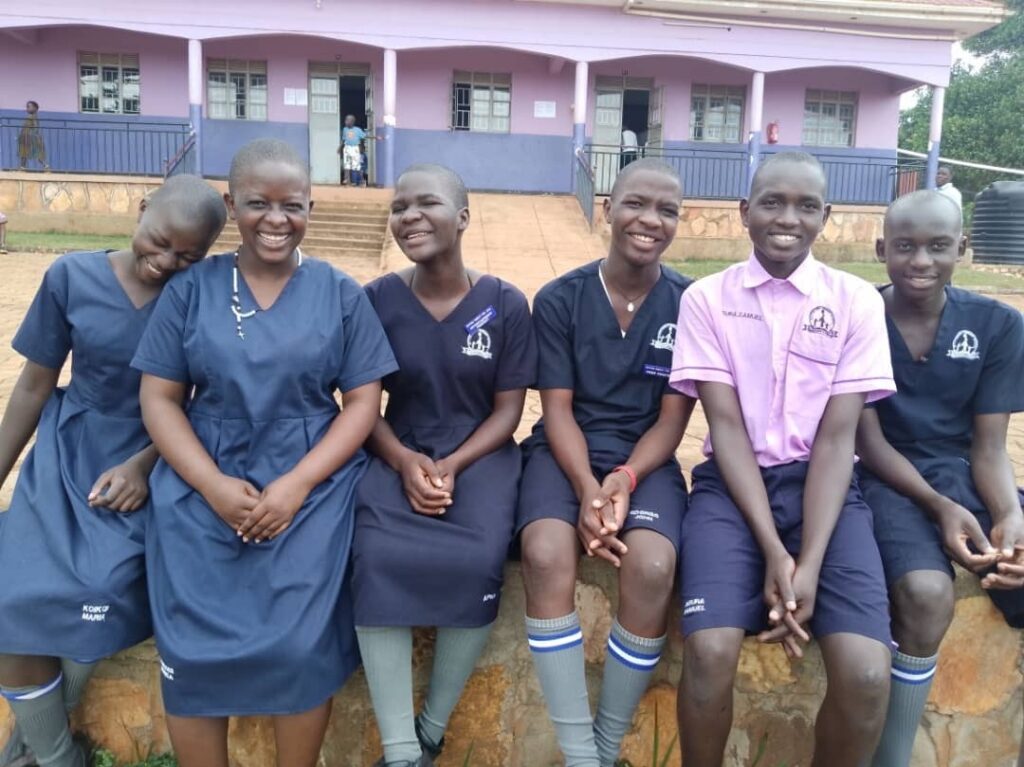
<point x="95" y="613"/>
<point x="644" y="515"/>
<point x="657" y="370"/>
<point x="481" y="319"/>
<point x="695" y="605"/>
<point x="167" y="671"/>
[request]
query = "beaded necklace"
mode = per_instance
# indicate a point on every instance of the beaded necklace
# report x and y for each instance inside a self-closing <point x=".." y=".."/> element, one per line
<point x="236" y="301"/>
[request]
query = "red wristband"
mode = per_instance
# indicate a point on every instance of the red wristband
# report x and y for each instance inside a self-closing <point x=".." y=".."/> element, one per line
<point x="629" y="473"/>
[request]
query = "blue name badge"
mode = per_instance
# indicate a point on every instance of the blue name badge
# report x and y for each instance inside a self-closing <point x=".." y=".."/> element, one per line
<point x="657" y="370"/>
<point x="480" y="320"/>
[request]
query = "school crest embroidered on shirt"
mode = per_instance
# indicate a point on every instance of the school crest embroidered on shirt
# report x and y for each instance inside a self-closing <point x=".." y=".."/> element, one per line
<point x="964" y="346"/>
<point x="666" y="337"/>
<point x="821" y="321"/>
<point x="478" y="344"/>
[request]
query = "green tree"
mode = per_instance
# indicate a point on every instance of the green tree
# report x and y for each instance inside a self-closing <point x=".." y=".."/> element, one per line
<point x="1007" y="37"/>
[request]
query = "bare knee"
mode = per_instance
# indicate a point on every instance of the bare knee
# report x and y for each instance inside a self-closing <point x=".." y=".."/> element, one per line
<point x="549" y="558"/>
<point x="27" y="670"/>
<point x="710" y="658"/>
<point x="922" y="609"/>
<point x="858" y="680"/>
<point x="648" y="573"/>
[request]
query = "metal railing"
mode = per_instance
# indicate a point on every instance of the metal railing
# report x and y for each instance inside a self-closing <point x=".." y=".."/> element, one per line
<point x="87" y="145"/>
<point x="716" y="173"/>
<point x="583" y="185"/>
<point x="184" y="160"/>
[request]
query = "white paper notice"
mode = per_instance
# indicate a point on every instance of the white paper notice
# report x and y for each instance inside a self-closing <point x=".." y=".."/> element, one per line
<point x="544" y="109"/>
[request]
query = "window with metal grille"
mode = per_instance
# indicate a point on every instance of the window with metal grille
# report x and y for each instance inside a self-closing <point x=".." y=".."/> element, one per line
<point x="481" y="102"/>
<point x="236" y="90"/>
<point x="716" y="113"/>
<point x="109" y="83"/>
<point x="830" y="118"/>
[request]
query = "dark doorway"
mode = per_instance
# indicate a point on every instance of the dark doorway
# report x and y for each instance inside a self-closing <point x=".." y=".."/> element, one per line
<point x="635" y="113"/>
<point x="352" y="99"/>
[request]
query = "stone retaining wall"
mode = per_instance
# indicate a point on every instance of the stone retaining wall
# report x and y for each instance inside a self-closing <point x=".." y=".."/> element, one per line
<point x="973" y="719"/>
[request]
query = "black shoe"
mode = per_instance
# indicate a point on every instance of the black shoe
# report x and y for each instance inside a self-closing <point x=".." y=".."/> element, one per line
<point x="429" y="747"/>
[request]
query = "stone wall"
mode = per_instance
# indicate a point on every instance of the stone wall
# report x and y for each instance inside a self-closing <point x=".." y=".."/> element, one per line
<point x="714" y="231"/>
<point x="56" y="202"/>
<point x="973" y="719"/>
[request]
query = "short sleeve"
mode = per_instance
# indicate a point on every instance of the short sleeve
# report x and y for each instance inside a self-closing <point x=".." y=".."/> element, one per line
<point x="556" y="368"/>
<point x="697" y="355"/>
<point x="161" y="352"/>
<point x="45" y="334"/>
<point x="1000" y="389"/>
<point x="517" y="368"/>
<point x="367" y="354"/>
<point x="865" y="363"/>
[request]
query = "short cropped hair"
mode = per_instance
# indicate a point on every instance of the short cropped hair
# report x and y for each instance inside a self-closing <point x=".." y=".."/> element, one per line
<point x="194" y="200"/>
<point x="649" y="164"/>
<point x="263" y="150"/>
<point x="453" y="183"/>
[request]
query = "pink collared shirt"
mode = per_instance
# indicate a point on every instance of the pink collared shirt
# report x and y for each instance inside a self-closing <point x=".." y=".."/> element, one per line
<point x="786" y="346"/>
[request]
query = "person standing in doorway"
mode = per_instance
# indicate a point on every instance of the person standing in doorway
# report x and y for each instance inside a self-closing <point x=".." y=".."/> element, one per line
<point x="629" y="149"/>
<point x="944" y="185"/>
<point x="351" y="151"/>
<point x="30" y="139"/>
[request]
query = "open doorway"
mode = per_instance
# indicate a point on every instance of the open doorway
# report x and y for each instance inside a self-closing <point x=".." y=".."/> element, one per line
<point x="338" y="89"/>
<point x="622" y="116"/>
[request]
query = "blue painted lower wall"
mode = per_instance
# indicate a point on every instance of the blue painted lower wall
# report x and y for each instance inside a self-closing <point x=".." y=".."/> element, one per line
<point x="505" y="161"/>
<point x="84" y="143"/>
<point x="222" y="138"/>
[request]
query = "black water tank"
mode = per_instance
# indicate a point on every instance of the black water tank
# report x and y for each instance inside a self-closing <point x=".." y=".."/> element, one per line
<point x="997" y="229"/>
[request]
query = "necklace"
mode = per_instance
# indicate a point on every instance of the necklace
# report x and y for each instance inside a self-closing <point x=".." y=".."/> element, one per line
<point x="236" y="301"/>
<point x="630" y="302"/>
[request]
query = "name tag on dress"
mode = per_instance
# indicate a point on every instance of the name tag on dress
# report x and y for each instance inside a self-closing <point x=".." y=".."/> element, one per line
<point x="657" y="370"/>
<point x="480" y="320"/>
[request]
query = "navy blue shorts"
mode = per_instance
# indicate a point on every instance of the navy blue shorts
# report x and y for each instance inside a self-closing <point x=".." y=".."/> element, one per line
<point x="722" y="569"/>
<point x="658" y="503"/>
<point x="908" y="538"/>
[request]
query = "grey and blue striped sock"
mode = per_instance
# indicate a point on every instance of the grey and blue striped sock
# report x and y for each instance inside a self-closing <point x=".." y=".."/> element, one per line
<point x="911" y="682"/>
<point x="556" y="645"/>
<point x="628" y="666"/>
<point x="43" y="721"/>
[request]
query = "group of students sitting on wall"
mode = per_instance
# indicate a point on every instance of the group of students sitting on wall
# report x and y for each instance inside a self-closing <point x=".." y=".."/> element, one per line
<point x="196" y="478"/>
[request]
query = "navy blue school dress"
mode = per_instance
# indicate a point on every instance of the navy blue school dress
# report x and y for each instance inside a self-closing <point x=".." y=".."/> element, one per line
<point x="74" y="582"/>
<point x="976" y="366"/>
<point x="618" y="383"/>
<point x="257" y="628"/>
<point x="415" y="570"/>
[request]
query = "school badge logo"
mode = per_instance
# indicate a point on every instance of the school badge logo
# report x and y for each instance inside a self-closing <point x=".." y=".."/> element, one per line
<point x="821" y="321"/>
<point x="666" y="337"/>
<point x="478" y="344"/>
<point x="964" y="346"/>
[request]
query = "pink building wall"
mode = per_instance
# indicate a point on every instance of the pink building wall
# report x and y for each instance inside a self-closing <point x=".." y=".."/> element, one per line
<point x="425" y="88"/>
<point x="47" y="70"/>
<point x="878" y="106"/>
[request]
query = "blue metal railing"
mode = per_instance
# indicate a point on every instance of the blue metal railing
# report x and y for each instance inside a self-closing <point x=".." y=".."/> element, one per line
<point x="87" y="145"/>
<point x="583" y="185"/>
<point x="184" y="160"/>
<point x="715" y="173"/>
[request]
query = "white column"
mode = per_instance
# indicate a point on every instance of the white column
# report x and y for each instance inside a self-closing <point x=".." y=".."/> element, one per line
<point x="390" y="106"/>
<point x="756" y="120"/>
<point x="195" y="98"/>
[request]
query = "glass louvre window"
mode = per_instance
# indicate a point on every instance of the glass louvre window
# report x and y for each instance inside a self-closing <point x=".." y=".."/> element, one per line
<point x="109" y="83"/>
<point x="716" y="113"/>
<point x="236" y="90"/>
<point x="482" y="102"/>
<point x="830" y="118"/>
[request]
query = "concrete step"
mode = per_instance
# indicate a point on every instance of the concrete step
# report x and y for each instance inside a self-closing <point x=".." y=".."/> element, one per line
<point x="353" y="235"/>
<point x="347" y="207"/>
<point x="347" y="226"/>
<point x="350" y="216"/>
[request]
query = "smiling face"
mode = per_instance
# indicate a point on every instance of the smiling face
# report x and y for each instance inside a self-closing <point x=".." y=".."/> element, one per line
<point x="643" y="211"/>
<point x="166" y="242"/>
<point x="425" y="221"/>
<point x="922" y="243"/>
<point x="785" y="214"/>
<point x="271" y="206"/>
<point x="943" y="176"/>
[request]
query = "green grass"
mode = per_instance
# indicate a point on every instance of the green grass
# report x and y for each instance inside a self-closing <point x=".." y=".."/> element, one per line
<point x="984" y="279"/>
<point x="61" y="242"/>
<point x="103" y="758"/>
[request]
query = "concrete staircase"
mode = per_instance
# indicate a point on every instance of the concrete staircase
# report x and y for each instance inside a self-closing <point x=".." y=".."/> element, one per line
<point x="345" y="232"/>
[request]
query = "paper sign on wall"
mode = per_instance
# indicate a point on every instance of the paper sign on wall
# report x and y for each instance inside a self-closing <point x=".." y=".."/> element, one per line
<point x="544" y="109"/>
<point x="296" y="97"/>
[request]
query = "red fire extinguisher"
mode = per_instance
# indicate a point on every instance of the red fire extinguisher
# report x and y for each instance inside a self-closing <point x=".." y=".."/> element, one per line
<point x="773" y="132"/>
